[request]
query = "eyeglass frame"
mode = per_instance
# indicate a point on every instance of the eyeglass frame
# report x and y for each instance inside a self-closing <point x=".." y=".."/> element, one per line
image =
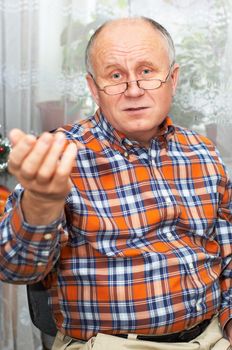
<point x="133" y="81"/>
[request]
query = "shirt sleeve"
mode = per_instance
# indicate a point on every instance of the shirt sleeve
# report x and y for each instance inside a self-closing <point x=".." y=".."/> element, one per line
<point x="27" y="253"/>
<point x="224" y="238"/>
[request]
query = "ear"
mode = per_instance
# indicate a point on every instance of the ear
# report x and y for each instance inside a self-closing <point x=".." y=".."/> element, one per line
<point x="93" y="88"/>
<point x="174" y="78"/>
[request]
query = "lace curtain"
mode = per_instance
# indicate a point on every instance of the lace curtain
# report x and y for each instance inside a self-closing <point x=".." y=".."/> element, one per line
<point x="42" y="85"/>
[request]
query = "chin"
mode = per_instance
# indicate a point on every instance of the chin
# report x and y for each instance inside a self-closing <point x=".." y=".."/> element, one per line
<point x="142" y="126"/>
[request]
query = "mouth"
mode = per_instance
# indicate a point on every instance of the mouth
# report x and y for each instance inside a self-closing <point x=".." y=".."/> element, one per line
<point x="134" y="109"/>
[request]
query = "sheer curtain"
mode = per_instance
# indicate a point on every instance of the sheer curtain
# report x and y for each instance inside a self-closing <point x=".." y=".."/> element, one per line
<point x="42" y="85"/>
<point x="19" y="63"/>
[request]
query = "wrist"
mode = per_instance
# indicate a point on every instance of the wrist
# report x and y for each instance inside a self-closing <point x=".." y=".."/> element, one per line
<point x="40" y="210"/>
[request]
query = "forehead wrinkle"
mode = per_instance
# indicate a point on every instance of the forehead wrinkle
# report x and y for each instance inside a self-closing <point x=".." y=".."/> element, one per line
<point x="124" y="57"/>
<point x="128" y="46"/>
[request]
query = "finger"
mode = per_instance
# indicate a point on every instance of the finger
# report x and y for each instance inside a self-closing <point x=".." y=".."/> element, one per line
<point x="15" y="135"/>
<point x="33" y="161"/>
<point x="23" y="145"/>
<point x="66" y="163"/>
<point x="49" y="165"/>
<point x="59" y="186"/>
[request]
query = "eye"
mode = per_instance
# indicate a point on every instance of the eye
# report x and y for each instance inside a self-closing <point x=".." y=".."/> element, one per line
<point x="116" y="76"/>
<point x="146" y="71"/>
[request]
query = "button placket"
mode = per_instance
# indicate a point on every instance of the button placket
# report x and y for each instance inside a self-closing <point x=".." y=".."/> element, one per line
<point x="168" y="200"/>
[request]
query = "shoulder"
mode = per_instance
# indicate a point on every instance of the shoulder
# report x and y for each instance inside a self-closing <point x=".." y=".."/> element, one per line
<point x="192" y="138"/>
<point x="197" y="146"/>
<point x="190" y="142"/>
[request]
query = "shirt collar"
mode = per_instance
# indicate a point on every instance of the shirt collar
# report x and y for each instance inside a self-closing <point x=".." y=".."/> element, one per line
<point x="108" y="134"/>
<point x="118" y="140"/>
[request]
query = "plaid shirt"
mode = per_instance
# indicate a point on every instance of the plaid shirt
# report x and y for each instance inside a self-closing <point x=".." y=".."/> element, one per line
<point x="144" y="244"/>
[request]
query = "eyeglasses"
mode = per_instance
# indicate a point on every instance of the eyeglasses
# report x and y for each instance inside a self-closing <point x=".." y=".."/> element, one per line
<point x="145" y="84"/>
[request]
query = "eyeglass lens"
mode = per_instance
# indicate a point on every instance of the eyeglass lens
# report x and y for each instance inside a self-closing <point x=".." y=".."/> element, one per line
<point x="142" y="84"/>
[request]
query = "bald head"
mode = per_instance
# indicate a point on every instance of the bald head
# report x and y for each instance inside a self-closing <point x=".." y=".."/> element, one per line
<point x="113" y="24"/>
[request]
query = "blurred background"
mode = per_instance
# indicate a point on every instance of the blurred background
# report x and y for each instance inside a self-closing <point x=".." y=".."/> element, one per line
<point x="42" y="86"/>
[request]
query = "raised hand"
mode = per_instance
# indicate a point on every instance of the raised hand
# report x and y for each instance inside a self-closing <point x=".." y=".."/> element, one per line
<point x="42" y="166"/>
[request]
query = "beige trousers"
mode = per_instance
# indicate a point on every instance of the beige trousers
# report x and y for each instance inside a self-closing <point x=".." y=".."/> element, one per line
<point x="210" y="339"/>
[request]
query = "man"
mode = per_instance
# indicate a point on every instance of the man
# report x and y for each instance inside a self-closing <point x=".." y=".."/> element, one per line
<point x="128" y="222"/>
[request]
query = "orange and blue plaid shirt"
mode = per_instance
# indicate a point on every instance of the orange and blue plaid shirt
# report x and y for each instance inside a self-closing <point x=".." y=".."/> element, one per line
<point x="144" y="245"/>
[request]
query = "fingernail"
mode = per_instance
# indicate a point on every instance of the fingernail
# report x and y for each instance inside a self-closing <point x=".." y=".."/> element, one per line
<point x="30" y="139"/>
<point x="46" y="138"/>
<point x="60" y="138"/>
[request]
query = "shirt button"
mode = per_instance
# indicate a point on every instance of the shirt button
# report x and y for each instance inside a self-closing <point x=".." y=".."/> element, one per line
<point x="126" y="154"/>
<point x="45" y="253"/>
<point x="169" y="235"/>
<point x="191" y="266"/>
<point x="193" y="303"/>
<point x="40" y="263"/>
<point x="59" y="227"/>
<point x="198" y="306"/>
<point x="47" y="236"/>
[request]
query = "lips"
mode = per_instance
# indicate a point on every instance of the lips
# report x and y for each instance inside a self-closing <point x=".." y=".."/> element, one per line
<point x="135" y="108"/>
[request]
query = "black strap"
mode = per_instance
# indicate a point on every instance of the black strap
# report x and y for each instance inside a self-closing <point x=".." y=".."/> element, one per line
<point x="180" y="337"/>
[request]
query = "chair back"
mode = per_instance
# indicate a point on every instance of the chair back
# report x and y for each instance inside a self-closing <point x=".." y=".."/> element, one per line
<point x="39" y="308"/>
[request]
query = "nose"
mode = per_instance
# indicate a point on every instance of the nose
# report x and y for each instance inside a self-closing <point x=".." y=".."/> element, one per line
<point x="133" y="90"/>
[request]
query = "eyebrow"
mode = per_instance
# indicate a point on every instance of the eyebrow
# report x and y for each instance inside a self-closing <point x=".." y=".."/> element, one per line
<point x="147" y="63"/>
<point x="111" y="66"/>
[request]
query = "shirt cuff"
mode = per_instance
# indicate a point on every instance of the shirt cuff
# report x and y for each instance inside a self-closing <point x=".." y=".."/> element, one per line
<point x="42" y="236"/>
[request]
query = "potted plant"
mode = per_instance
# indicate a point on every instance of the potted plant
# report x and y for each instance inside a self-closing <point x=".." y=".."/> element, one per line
<point x="4" y="152"/>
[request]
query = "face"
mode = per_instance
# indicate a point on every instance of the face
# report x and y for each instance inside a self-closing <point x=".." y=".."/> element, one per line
<point x="128" y="51"/>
